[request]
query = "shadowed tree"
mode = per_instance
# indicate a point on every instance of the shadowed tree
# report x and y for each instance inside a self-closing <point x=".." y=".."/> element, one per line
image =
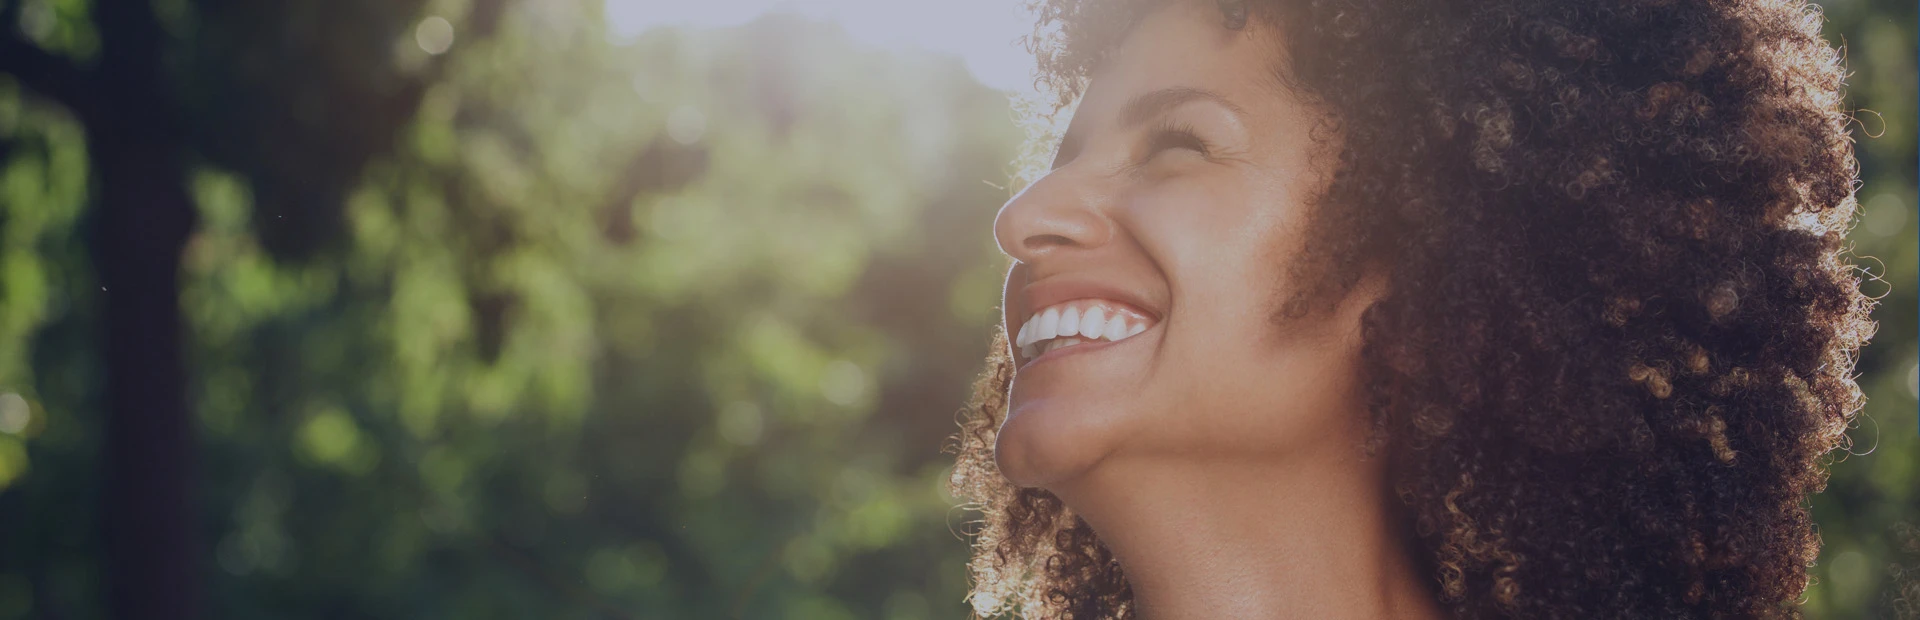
<point x="296" y="97"/>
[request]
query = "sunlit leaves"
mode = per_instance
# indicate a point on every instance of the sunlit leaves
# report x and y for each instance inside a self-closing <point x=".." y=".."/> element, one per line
<point x="42" y="191"/>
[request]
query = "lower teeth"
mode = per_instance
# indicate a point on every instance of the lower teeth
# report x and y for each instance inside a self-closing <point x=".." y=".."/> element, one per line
<point x="1035" y="350"/>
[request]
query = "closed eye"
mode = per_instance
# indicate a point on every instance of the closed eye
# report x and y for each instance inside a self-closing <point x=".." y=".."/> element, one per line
<point x="1169" y="136"/>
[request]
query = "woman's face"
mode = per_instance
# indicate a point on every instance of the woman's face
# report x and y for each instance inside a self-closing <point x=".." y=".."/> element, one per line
<point x="1153" y="259"/>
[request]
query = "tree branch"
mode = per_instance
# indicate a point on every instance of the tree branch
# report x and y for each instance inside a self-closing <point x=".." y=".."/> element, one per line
<point x="43" y="72"/>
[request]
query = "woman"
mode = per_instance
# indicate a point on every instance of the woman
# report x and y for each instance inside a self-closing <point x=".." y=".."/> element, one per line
<point x="1397" y="309"/>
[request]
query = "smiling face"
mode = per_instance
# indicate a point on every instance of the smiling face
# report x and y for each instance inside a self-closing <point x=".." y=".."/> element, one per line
<point x="1153" y="258"/>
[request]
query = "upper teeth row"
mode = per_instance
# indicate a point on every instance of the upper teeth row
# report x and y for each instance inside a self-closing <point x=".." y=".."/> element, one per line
<point x="1070" y="319"/>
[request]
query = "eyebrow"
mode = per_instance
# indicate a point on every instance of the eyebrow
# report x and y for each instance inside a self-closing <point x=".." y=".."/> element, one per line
<point x="1142" y="108"/>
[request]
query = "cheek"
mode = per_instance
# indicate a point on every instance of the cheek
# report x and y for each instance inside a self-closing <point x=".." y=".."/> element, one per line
<point x="1261" y="388"/>
<point x="1247" y="378"/>
<point x="1219" y="233"/>
<point x="1224" y="252"/>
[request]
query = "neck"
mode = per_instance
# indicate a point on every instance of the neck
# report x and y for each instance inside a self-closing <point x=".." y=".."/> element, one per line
<point x="1313" y="536"/>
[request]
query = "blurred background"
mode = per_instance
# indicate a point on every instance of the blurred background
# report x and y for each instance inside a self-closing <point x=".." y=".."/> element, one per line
<point x="572" y="309"/>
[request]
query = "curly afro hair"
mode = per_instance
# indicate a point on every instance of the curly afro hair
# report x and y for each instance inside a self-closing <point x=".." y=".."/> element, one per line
<point x="1619" y="338"/>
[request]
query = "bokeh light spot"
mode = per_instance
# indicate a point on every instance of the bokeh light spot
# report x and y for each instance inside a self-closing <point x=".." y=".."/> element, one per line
<point x="808" y="560"/>
<point x="15" y="413"/>
<point x="611" y="572"/>
<point x="686" y="125"/>
<point x="330" y="437"/>
<point x="649" y="563"/>
<point x="1885" y="215"/>
<point x="1850" y="574"/>
<point x="434" y="34"/>
<point x="843" y="383"/>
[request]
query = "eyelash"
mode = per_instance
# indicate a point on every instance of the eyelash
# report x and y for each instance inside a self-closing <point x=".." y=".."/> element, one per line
<point x="1175" y="136"/>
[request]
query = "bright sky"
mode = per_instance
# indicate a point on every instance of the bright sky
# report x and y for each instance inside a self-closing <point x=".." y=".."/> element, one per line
<point x="983" y="33"/>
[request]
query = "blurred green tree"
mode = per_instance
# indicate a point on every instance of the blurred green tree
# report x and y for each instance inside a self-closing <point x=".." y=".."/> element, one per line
<point x="527" y="382"/>
<point x="277" y="91"/>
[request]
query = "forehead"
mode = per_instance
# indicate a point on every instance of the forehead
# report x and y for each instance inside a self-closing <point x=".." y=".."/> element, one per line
<point x="1185" y="45"/>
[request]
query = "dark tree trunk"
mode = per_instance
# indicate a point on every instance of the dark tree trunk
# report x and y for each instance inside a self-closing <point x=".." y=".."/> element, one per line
<point x="137" y="147"/>
<point x="144" y="217"/>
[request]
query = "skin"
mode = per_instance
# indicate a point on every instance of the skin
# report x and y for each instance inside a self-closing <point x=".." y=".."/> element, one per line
<point x="1216" y="453"/>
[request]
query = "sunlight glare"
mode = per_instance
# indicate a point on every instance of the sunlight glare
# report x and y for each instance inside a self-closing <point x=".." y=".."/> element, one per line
<point x="985" y="34"/>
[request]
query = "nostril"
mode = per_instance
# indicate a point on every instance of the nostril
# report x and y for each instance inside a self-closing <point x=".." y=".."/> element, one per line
<point x="1037" y="242"/>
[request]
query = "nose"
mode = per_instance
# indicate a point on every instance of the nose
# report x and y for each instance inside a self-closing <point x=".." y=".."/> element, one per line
<point x="1058" y="213"/>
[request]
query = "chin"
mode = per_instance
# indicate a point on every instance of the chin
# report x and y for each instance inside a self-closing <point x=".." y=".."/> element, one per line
<point x="1044" y="444"/>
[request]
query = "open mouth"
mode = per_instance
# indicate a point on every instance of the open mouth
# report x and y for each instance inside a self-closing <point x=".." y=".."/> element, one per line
<point x="1078" y="322"/>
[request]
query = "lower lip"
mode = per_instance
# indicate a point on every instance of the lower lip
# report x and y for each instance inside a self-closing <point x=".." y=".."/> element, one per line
<point x="1085" y="347"/>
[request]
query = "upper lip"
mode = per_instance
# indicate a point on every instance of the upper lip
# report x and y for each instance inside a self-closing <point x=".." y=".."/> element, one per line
<point x="1039" y="294"/>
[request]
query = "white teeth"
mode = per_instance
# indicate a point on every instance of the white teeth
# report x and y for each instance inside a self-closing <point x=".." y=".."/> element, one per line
<point x="1092" y="323"/>
<point x="1066" y="325"/>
